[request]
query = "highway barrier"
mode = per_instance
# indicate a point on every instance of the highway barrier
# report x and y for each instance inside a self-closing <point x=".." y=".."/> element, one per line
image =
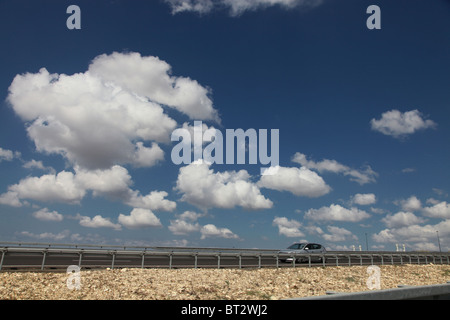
<point x="429" y="292"/>
<point x="17" y="256"/>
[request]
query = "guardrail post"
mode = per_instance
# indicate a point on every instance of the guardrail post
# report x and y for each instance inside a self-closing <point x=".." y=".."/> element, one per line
<point x="259" y="261"/>
<point x="113" y="258"/>
<point x="3" y="256"/>
<point x="218" y="261"/>
<point x="79" y="260"/>
<point x="240" y="261"/>
<point x="43" y="259"/>
<point x="349" y="260"/>
<point x="170" y="260"/>
<point x="195" y="260"/>
<point x="309" y="261"/>
<point x="143" y="258"/>
<point x="337" y="261"/>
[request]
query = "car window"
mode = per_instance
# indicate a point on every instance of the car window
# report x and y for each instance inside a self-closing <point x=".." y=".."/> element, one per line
<point x="297" y="246"/>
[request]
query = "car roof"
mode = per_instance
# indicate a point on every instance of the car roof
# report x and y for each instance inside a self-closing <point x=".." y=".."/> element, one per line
<point x="304" y="242"/>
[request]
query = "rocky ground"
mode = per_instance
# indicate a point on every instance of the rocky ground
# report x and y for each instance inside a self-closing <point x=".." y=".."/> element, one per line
<point x="211" y="284"/>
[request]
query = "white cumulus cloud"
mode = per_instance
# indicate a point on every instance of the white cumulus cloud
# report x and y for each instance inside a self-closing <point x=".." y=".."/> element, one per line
<point x="288" y="227"/>
<point x="361" y="176"/>
<point x="68" y="187"/>
<point x="417" y="237"/>
<point x="8" y="155"/>
<point x="47" y="215"/>
<point x="401" y="219"/>
<point x="439" y="210"/>
<point x="210" y="230"/>
<point x="185" y="223"/>
<point x="139" y="218"/>
<point x="110" y="114"/>
<point x="364" y="198"/>
<point x="97" y="222"/>
<point x="299" y="181"/>
<point x="336" y="212"/>
<point x="400" y="124"/>
<point x="411" y="204"/>
<point x="204" y="188"/>
<point x="338" y="234"/>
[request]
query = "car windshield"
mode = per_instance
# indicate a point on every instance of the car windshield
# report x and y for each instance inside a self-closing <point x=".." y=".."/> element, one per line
<point x="297" y="246"/>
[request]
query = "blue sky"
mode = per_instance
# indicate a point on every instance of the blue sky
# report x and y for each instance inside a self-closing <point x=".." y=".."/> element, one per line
<point x="363" y="116"/>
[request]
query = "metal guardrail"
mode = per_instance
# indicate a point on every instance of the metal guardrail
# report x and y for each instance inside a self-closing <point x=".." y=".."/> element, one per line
<point x="429" y="292"/>
<point x="127" y="247"/>
<point x="43" y="255"/>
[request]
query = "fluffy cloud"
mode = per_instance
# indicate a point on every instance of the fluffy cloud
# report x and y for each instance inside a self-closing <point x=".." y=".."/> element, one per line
<point x="139" y="218"/>
<point x="8" y="155"/>
<point x="46" y="215"/>
<point x="299" y="181"/>
<point x="61" y="187"/>
<point x="151" y="77"/>
<point x="411" y="204"/>
<point x="336" y="212"/>
<point x="397" y="124"/>
<point x="439" y="210"/>
<point x="110" y="114"/>
<point x="97" y="222"/>
<point x="182" y="227"/>
<point x="210" y="230"/>
<point x="186" y="223"/>
<point x="155" y="200"/>
<point x="288" y="228"/>
<point x="236" y="7"/>
<point x="71" y="188"/>
<point x="401" y="219"/>
<point x="364" y="199"/>
<point x="33" y="164"/>
<point x="416" y="236"/>
<point x="10" y="198"/>
<point x="338" y="234"/>
<point x="362" y="176"/>
<point x="204" y="188"/>
<point x="46" y="235"/>
<point x="114" y="181"/>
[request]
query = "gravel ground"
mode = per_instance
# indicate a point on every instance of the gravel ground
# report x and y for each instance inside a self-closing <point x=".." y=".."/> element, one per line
<point x="211" y="284"/>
